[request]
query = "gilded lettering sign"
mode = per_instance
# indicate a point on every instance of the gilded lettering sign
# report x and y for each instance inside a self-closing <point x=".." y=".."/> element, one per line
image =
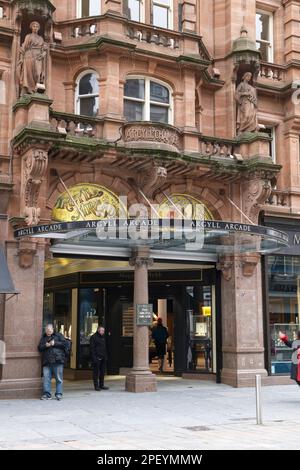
<point x="86" y="202"/>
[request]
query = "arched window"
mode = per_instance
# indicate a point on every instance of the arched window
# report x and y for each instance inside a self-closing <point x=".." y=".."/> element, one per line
<point x="146" y="99"/>
<point x="87" y="94"/>
<point x="87" y="8"/>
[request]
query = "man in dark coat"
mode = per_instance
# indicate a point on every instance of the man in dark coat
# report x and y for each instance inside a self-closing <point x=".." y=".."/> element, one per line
<point x="52" y="346"/>
<point x="160" y="335"/>
<point x="99" y="357"/>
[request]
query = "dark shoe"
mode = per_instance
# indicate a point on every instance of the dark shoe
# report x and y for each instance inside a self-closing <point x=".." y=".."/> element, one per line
<point x="58" y="397"/>
<point x="97" y="389"/>
<point x="46" y="397"/>
<point x="104" y="388"/>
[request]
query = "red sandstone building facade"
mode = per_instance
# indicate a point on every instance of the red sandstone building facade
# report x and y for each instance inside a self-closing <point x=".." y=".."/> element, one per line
<point x="137" y="98"/>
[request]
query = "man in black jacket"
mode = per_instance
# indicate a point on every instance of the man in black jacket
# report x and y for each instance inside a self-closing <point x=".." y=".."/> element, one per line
<point x="53" y="348"/>
<point x="99" y="356"/>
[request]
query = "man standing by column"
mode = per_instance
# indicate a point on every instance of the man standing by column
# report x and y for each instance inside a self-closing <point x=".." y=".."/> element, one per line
<point x="99" y="357"/>
<point x="53" y="348"/>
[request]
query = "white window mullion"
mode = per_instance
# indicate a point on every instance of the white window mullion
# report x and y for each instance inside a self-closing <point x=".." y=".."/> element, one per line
<point x="147" y="100"/>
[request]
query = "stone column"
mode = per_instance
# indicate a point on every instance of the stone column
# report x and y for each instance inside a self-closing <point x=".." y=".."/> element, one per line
<point x="242" y="320"/>
<point x="162" y="311"/>
<point x="140" y="378"/>
<point x="114" y="6"/>
<point x="21" y="321"/>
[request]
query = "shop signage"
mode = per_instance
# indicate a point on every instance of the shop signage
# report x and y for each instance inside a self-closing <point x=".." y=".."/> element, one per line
<point x="292" y="230"/>
<point x="154" y="228"/>
<point x="144" y="314"/>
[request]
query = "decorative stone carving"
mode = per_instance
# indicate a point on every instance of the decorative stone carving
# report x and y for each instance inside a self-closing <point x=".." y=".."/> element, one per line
<point x="26" y="253"/>
<point x="42" y="8"/>
<point x="151" y="179"/>
<point x="246" y="262"/>
<point x="137" y="258"/>
<point x="225" y="265"/>
<point x="249" y="263"/>
<point x="256" y="192"/>
<point x="156" y="133"/>
<point x="32" y="60"/>
<point x="245" y="54"/>
<point x="35" y="167"/>
<point x="246" y="98"/>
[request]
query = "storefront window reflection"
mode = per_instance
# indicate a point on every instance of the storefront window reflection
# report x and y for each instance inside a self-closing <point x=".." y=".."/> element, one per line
<point x="92" y="305"/>
<point x="284" y="291"/>
<point x="57" y="311"/>
<point x="199" y="328"/>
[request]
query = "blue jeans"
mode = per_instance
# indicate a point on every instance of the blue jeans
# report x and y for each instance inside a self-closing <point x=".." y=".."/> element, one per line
<point x="57" y="371"/>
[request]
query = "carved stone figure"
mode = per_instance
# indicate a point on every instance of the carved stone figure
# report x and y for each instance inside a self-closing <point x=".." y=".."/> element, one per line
<point x="246" y="98"/>
<point x="32" y="60"/>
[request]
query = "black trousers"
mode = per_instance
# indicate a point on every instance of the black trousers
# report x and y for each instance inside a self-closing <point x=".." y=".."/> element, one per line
<point x="98" y="373"/>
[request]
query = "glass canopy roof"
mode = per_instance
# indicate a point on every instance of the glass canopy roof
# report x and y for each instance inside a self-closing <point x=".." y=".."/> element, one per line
<point x="201" y="236"/>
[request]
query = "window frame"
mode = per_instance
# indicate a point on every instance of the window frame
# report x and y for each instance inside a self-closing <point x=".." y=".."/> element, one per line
<point x="79" y="9"/>
<point x="78" y="97"/>
<point x="272" y="133"/>
<point x="146" y="100"/>
<point x="170" y="10"/>
<point x="270" y="42"/>
<point x="142" y="12"/>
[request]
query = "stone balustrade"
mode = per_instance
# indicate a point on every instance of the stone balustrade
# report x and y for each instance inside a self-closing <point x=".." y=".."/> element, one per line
<point x="76" y="125"/>
<point x="272" y="71"/>
<point x="152" y="135"/>
<point x="152" y="35"/>
<point x="279" y="198"/>
<point x="215" y="147"/>
<point x="85" y="27"/>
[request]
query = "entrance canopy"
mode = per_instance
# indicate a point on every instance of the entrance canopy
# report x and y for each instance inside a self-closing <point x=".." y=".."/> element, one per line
<point x="173" y="235"/>
<point x="6" y="283"/>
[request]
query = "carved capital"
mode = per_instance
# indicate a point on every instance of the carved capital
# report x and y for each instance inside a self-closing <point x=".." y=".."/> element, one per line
<point x="35" y="163"/>
<point x="249" y="264"/>
<point x="225" y="265"/>
<point x="140" y="257"/>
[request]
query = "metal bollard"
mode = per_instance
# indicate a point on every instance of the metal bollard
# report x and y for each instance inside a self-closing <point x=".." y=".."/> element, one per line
<point x="258" y="400"/>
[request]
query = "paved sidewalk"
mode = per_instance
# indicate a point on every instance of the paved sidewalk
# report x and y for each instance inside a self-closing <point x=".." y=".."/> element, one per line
<point x="183" y="414"/>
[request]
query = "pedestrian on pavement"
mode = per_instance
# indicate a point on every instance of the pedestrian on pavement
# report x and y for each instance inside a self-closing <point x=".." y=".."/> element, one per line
<point x="99" y="357"/>
<point x="295" y="345"/>
<point x="160" y="335"/>
<point x="53" y="347"/>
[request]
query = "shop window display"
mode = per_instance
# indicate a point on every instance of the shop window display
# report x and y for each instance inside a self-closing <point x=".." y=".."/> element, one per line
<point x="284" y="292"/>
<point x="199" y="324"/>
<point x="91" y="315"/>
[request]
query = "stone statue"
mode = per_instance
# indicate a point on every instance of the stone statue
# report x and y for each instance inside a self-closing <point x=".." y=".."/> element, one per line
<point x="246" y="99"/>
<point x="32" y="61"/>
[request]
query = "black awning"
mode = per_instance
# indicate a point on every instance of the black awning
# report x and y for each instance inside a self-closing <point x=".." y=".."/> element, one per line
<point x="6" y="283"/>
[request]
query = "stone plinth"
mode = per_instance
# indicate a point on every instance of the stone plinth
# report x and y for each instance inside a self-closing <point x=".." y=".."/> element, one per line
<point x="254" y="145"/>
<point x="32" y="110"/>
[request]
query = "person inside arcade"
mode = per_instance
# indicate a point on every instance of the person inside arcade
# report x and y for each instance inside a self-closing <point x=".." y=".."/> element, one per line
<point x="295" y="345"/>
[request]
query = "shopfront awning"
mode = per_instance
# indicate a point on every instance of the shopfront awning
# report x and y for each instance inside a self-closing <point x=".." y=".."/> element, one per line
<point x="6" y="283"/>
<point x="174" y="236"/>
